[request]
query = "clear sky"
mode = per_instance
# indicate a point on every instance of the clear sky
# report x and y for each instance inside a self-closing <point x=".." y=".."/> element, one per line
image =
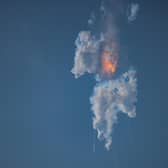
<point x="45" y="116"/>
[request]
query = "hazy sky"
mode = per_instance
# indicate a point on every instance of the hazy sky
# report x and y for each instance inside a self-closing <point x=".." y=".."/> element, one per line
<point x="45" y="116"/>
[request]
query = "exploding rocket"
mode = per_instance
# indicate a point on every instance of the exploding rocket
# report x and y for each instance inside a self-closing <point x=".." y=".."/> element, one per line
<point x="99" y="55"/>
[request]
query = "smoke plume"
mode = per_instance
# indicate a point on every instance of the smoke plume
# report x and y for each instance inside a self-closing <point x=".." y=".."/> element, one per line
<point x="110" y="98"/>
<point x="99" y="55"/>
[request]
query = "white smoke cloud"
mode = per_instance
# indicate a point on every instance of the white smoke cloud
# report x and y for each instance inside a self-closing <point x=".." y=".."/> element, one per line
<point x="110" y="98"/>
<point x="132" y="11"/>
<point x="87" y="54"/>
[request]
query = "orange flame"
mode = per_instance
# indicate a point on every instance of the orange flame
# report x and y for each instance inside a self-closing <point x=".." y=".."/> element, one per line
<point x="108" y="65"/>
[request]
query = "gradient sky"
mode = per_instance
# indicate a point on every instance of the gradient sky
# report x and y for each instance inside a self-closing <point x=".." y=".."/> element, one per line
<point x="45" y="116"/>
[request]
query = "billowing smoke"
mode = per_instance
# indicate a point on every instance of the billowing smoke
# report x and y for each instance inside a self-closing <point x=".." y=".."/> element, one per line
<point x="99" y="55"/>
<point x="110" y="98"/>
<point x="94" y="55"/>
<point x="87" y="54"/>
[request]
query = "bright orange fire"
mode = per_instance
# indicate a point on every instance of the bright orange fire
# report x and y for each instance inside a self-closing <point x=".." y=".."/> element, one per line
<point x="107" y="65"/>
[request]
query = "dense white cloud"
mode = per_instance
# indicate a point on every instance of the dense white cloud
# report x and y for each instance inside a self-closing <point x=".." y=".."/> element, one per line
<point x="110" y="98"/>
<point x="87" y="54"/>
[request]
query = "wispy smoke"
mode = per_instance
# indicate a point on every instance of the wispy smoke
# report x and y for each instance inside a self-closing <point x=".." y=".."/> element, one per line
<point x="92" y="19"/>
<point x="132" y="11"/>
<point x="99" y="55"/>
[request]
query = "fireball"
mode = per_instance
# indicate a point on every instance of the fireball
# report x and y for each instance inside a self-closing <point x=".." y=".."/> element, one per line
<point x="108" y="66"/>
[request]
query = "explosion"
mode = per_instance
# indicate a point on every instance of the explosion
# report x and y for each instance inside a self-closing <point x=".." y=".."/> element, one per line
<point x="108" y="66"/>
<point x="99" y="55"/>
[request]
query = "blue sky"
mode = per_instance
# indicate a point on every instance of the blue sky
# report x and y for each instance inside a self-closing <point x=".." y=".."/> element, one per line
<point x="45" y="116"/>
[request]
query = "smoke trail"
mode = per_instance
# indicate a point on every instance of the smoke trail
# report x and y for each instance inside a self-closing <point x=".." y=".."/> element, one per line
<point x="99" y="55"/>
